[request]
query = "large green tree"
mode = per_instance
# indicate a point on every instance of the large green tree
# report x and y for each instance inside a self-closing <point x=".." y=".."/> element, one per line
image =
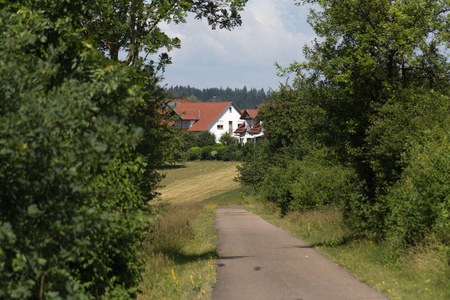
<point x="133" y="26"/>
<point x="367" y="54"/>
<point x="373" y="89"/>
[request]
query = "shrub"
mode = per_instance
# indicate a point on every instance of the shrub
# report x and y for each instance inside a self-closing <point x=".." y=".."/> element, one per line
<point x="207" y="153"/>
<point x="312" y="182"/>
<point x="420" y="200"/>
<point x="227" y="139"/>
<point x="194" y="153"/>
<point x="206" y="138"/>
<point x="255" y="164"/>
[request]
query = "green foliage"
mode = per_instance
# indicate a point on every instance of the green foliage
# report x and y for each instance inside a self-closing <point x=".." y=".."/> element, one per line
<point x="256" y="161"/>
<point x="134" y="26"/>
<point x="194" y="153"/>
<point x="227" y="139"/>
<point x="420" y="200"/>
<point x="72" y="215"/>
<point x="310" y="183"/>
<point x="206" y="138"/>
<point x="216" y="152"/>
<point x="374" y="91"/>
<point x="208" y="153"/>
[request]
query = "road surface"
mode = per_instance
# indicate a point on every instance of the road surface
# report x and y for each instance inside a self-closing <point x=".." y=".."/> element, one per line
<point x="260" y="261"/>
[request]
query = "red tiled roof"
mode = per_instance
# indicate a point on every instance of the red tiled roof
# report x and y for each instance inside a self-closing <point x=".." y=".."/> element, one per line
<point x="205" y="112"/>
<point x="241" y="128"/>
<point x="255" y="129"/>
<point x="249" y="112"/>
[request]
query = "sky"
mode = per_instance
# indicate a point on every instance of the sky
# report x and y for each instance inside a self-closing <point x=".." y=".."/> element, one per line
<point x="272" y="31"/>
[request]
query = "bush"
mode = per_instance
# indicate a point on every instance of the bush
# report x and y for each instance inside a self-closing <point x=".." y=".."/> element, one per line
<point x="207" y="153"/>
<point x="420" y="200"/>
<point x="194" y="153"/>
<point x="310" y="183"/>
<point x="227" y="139"/>
<point x="206" y="138"/>
<point x="409" y="122"/>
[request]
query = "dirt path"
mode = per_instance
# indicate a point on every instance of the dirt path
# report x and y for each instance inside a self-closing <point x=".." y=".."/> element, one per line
<point x="260" y="261"/>
<point x="199" y="181"/>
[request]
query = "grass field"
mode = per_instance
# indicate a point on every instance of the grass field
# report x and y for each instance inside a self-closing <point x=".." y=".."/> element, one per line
<point x="198" y="181"/>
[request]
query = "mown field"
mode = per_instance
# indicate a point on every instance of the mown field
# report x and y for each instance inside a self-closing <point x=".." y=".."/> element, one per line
<point x="197" y="181"/>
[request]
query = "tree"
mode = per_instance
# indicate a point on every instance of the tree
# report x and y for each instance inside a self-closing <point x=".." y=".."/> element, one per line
<point x="371" y="55"/>
<point x="367" y="52"/>
<point x="227" y="139"/>
<point x="71" y="213"/>
<point x="134" y="25"/>
<point x="206" y="138"/>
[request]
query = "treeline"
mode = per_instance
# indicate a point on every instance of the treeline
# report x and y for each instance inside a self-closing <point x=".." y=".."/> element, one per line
<point x="80" y="141"/>
<point x="242" y="98"/>
<point x="365" y="125"/>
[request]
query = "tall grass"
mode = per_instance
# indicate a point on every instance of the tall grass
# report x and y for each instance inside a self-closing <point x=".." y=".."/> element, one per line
<point x="181" y="251"/>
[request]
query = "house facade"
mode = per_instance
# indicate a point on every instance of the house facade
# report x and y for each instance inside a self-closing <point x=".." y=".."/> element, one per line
<point x="217" y="117"/>
<point x="250" y="129"/>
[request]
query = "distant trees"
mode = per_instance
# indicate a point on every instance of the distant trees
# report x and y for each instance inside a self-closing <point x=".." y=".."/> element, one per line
<point x="242" y="98"/>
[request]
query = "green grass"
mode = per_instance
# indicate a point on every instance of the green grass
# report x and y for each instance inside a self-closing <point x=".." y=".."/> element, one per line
<point x="232" y="197"/>
<point x="421" y="272"/>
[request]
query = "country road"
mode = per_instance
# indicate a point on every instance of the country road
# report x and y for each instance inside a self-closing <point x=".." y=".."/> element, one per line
<point x="260" y="261"/>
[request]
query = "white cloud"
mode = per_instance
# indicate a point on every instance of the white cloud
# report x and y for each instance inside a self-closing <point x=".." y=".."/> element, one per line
<point x="271" y="31"/>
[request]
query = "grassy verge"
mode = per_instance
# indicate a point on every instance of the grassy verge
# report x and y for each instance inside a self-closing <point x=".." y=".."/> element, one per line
<point x="181" y="254"/>
<point x="182" y="247"/>
<point x="418" y="273"/>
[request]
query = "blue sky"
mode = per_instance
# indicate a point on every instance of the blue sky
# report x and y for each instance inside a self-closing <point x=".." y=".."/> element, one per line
<point x="272" y="31"/>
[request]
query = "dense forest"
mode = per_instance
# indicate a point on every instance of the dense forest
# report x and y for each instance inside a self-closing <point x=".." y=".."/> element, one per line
<point x="242" y="98"/>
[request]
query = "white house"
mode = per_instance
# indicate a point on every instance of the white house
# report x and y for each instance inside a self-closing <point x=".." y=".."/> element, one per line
<point x="250" y="129"/>
<point x="217" y="117"/>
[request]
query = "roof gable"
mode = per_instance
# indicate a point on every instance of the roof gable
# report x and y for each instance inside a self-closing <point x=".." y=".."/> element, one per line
<point x="252" y="113"/>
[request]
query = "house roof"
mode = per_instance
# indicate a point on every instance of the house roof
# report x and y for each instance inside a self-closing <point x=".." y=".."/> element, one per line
<point x="255" y="129"/>
<point x="204" y="112"/>
<point x="249" y="112"/>
<point x="241" y="128"/>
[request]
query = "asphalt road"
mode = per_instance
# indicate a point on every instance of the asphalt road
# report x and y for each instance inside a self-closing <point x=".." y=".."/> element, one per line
<point x="260" y="261"/>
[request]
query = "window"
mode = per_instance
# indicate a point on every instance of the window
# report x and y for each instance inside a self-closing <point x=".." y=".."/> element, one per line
<point x="229" y="109"/>
<point x="230" y="126"/>
<point x="219" y="126"/>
